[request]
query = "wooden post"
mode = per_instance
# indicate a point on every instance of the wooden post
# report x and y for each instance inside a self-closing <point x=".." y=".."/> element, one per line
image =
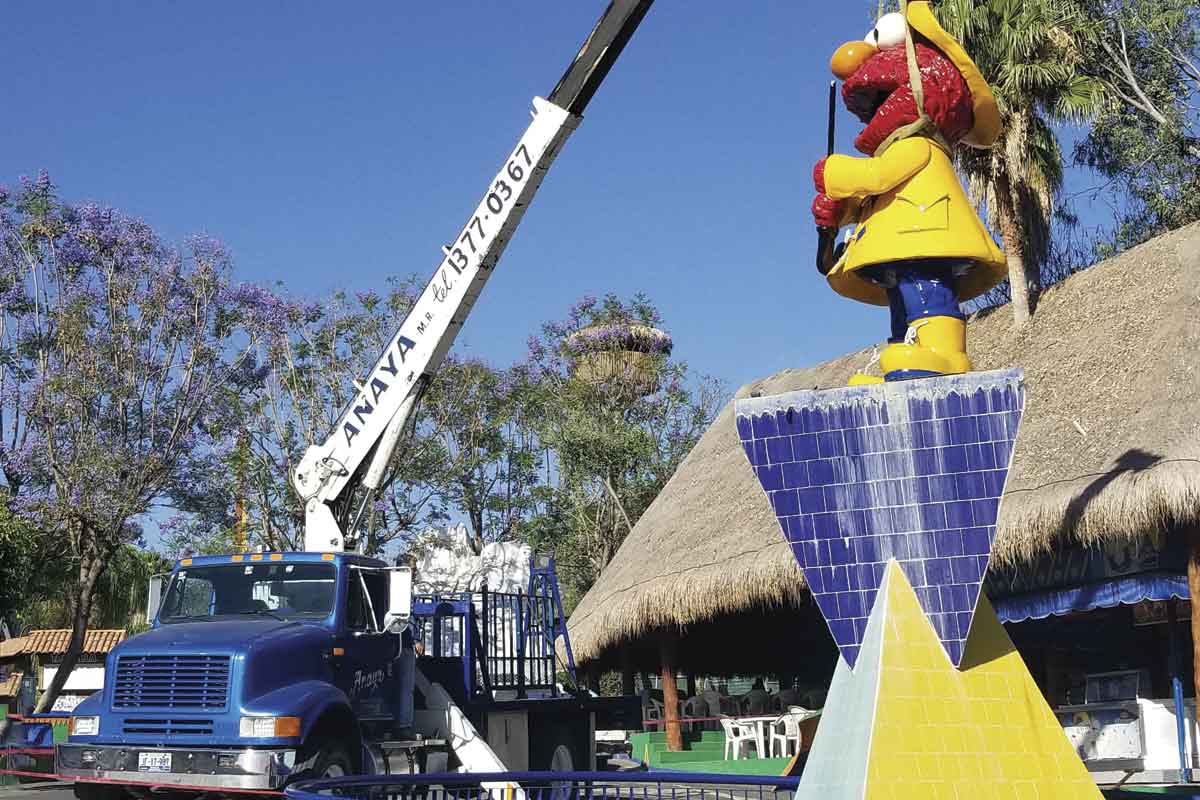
<point x="627" y="687"/>
<point x="670" y="694"/>
<point x="1053" y="682"/>
<point x="593" y="678"/>
<point x="1181" y="724"/>
<point x="1193" y="573"/>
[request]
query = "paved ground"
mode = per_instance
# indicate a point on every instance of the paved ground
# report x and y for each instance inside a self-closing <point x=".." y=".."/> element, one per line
<point x="37" y="791"/>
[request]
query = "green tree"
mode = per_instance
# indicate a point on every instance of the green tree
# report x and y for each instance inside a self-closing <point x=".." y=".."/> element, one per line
<point x="115" y="346"/>
<point x="487" y="455"/>
<point x="25" y="562"/>
<point x="1030" y="52"/>
<point x="1144" y="140"/>
<point x="612" y="441"/>
<point x="470" y="452"/>
<point x="309" y="370"/>
<point x="121" y="592"/>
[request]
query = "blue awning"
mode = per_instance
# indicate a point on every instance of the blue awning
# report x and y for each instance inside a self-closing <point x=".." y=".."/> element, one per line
<point x="1105" y="594"/>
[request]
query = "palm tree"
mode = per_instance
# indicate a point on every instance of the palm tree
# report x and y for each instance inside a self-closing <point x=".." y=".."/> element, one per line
<point x="1027" y="51"/>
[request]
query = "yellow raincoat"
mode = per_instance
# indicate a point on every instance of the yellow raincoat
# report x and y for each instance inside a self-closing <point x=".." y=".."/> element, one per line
<point x="908" y="203"/>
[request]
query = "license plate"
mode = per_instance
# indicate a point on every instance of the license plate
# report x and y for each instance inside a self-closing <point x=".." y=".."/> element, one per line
<point x="154" y="762"/>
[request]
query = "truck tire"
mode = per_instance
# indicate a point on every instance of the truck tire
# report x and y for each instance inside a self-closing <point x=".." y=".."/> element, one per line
<point x="99" y="791"/>
<point x="332" y="762"/>
<point x="561" y="759"/>
<point x="557" y="743"/>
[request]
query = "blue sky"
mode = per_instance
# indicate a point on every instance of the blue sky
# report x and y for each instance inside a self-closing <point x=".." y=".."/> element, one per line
<point x="331" y="146"/>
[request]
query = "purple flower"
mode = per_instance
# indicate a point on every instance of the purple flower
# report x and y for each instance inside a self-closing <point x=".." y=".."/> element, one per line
<point x="12" y="296"/>
<point x="210" y="251"/>
<point x="262" y="310"/>
<point x="601" y="338"/>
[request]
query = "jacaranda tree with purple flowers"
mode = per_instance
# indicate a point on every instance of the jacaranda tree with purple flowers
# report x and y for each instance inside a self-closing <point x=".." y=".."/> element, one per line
<point x="311" y="355"/>
<point x="117" y="352"/>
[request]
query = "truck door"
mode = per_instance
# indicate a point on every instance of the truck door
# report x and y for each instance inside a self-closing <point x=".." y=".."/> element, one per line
<point x="366" y="670"/>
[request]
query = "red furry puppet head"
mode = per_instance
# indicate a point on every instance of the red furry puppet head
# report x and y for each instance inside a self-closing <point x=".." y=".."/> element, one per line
<point x="878" y="89"/>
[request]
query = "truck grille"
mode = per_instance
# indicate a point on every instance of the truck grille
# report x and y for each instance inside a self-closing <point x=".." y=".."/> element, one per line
<point x="196" y="682"/>
<point x="169" y="727"/>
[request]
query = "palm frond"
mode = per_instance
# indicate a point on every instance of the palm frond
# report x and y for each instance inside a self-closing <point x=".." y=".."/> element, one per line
<point x="1029" y="51"/>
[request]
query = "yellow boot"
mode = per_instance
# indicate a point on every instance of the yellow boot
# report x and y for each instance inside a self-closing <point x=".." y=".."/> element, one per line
<point x="933" y="346"/>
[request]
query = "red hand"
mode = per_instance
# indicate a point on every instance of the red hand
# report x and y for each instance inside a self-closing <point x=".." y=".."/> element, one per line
<point x="827" y="211"/>
<point x="819" y="176"/>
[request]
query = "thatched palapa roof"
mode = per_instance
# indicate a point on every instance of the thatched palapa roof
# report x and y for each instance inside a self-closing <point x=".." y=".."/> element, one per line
<point x="1109" y="449"/>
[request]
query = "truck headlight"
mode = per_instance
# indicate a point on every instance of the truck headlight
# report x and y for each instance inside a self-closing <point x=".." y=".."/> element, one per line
<point x="268" y="727"/>
<point x="85" y="726"/>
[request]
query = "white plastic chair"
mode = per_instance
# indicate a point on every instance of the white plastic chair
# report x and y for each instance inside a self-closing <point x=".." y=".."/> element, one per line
<point x="693" y="707"/>
<point x="788" y="740"/>
<point x="737" y="737"/>
<point x="652" y="713"/>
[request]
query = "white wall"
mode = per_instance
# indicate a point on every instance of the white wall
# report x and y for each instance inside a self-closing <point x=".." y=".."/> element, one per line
<point x="84" y="678"/>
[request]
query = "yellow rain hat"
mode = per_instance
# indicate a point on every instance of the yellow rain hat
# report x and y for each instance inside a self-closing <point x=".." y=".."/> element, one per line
<point x="986" y="127"/>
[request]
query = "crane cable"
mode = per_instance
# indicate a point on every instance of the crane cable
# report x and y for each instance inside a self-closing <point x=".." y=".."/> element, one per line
<point x="923" y="124"/>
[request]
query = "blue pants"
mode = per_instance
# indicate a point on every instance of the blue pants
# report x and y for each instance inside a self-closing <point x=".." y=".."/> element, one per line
<point x="917" y="289"/>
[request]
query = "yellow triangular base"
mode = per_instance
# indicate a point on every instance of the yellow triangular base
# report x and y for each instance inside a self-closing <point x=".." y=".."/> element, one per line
<point x="981" y="731"/>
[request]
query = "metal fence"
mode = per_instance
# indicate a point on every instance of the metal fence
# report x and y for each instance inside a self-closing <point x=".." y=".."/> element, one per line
<point x="549" y="786"/>
<point x="25" y="762"/>
<point x="520" y="653"/>
<point x="505" y="640"/>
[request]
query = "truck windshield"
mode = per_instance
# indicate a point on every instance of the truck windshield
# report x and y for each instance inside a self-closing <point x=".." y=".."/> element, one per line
<point x="275" y="590"/>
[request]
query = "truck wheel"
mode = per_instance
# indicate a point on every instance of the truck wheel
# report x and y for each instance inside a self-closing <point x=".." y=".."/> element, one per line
<point x="332" y="762"/>
<point x="99" y="791"/>
<point x="561" y="759"/>
<point x="557" y="744"/>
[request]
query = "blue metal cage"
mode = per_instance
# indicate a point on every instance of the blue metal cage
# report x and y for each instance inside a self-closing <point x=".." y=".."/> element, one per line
<point x="482" y="641"/>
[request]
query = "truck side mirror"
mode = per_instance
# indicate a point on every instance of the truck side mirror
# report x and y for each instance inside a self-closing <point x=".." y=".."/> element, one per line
<point x="154" y="597"/>
<point x="399" y="599"/>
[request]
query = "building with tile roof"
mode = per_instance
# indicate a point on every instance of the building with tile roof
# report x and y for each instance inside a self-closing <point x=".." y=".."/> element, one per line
<point x="54" y="642"/>
<point x="39" y="652"/>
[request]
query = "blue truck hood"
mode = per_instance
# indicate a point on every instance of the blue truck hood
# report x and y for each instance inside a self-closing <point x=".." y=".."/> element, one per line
<point x="229" y="635"/>
<point x="272" y="666"/>
<point x="266" y="653"/>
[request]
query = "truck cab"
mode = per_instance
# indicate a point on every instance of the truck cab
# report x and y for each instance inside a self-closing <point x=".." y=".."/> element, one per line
<point x="259" y="667"/>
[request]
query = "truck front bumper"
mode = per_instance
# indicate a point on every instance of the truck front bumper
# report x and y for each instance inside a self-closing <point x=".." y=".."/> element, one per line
<point x="218" y="768"/>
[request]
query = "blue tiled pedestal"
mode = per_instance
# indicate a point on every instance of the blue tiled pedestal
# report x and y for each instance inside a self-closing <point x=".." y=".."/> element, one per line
<point x="912" y="470"/>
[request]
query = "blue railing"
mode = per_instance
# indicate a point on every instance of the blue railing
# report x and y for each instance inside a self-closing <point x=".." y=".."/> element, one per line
<point x="548" y="786"/>
<point x="504" y="640"/>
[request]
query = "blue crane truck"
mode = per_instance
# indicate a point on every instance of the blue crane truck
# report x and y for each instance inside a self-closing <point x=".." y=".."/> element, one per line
<point x="263" y="668"/>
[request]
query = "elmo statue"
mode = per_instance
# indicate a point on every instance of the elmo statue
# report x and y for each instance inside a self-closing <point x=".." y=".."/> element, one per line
<point x="917" y="245"/>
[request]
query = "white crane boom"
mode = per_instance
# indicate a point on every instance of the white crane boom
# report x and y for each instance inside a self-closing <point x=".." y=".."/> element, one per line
<point x="374" y="424"/>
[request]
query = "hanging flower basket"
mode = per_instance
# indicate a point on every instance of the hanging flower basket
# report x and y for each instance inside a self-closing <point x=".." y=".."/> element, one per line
<point x="620" y="353"/>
